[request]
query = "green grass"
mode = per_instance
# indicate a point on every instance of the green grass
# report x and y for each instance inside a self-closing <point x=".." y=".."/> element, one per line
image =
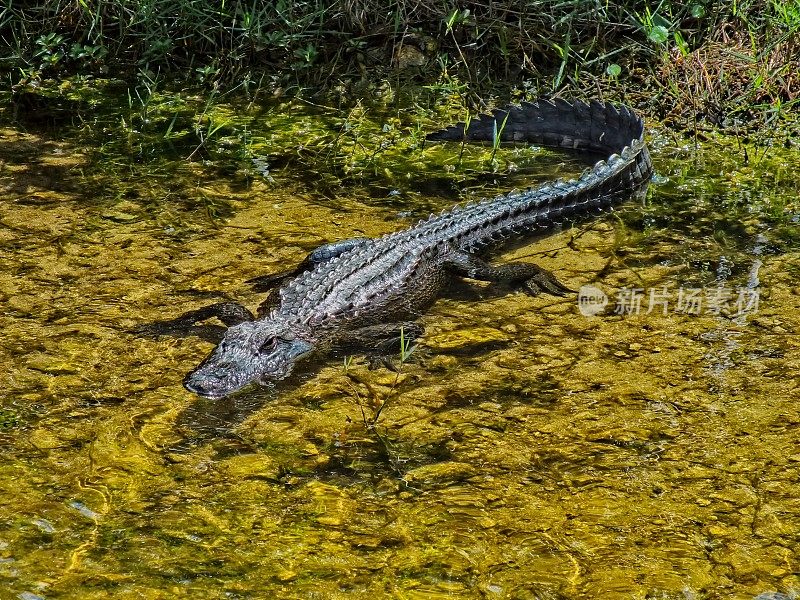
<point x="296" y="43"/>
<point x="722" y="62"/>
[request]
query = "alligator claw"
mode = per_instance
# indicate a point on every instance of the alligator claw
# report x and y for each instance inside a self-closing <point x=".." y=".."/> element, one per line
<point x="545" y="281"/>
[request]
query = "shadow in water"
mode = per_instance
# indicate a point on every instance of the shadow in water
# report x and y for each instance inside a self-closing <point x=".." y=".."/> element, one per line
<point x="206" y="420"/>
<point x="215" y="421"/>
<point x="157" y="329"/>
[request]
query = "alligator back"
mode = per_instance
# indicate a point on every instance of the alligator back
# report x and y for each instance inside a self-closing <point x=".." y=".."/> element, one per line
<point x="398" y="275"/>
<point x="616" y="132"/>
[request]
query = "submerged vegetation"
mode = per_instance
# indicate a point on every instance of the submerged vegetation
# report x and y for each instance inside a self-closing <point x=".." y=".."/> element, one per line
<point x="208" y="82"/>
<point x="525" y="451"/>
<point x="330" y="96"/>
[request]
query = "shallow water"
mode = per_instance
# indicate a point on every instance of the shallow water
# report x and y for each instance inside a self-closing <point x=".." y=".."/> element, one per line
<point x="526" y="451"/>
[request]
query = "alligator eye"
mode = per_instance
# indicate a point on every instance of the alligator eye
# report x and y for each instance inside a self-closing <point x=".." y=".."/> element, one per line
<point x="269" y="345"/>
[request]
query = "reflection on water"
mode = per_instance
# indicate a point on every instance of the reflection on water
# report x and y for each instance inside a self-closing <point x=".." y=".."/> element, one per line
<point x="527" y="451"/>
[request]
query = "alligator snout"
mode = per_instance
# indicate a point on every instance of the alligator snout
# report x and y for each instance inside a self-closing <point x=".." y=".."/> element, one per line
<point x="210" y="381"/>
<point x="201" y="387"/>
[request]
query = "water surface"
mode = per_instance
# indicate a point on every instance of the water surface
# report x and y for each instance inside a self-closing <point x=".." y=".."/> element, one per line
<point x="526" y="451"/>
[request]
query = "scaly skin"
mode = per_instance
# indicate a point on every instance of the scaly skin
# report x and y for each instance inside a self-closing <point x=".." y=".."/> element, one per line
<point x="360" y="292"/>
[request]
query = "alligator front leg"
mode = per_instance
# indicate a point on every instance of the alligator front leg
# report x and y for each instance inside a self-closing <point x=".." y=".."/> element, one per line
<point x="230" y="313"/>
<point x="318" y="255"/>
<point x="380" y="342"/>
<point x="533" y="278"/>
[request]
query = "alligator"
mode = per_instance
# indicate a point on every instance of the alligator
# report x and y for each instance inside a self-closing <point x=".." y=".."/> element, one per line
<point x="367" y="292"/>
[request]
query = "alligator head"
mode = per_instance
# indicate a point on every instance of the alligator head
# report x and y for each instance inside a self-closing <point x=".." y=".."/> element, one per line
<point x="251" y="351"/>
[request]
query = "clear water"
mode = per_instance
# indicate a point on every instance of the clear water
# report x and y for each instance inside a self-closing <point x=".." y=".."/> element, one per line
<point x="526" y="451"/>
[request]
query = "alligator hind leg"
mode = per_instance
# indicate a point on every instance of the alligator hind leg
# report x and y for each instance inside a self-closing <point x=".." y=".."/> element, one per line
<point x="534" y="278"/>
<point x="318" y="255"/>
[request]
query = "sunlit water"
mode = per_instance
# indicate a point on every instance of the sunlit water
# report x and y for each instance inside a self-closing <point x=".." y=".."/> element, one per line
<point x="527" y="450"/>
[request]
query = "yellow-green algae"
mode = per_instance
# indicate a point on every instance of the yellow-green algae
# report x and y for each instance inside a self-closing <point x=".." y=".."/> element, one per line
<point x="526" y="452"/>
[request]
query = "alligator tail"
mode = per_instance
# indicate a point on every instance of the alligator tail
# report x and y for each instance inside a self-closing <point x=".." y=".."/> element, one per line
<point x="615" y="131"/>
<point x="593" y="127"/>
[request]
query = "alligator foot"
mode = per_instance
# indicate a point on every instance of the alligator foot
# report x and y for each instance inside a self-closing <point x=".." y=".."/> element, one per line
<point x="230" y="313"/>
<point x="544" y="281"/>
<point x="533" y="278"/>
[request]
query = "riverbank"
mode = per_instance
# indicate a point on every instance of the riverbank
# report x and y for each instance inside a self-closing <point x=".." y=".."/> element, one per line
<point x="692" y="65"/>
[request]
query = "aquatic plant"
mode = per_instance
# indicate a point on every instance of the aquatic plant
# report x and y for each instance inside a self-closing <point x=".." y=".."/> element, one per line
<point x="372" y="403"/>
